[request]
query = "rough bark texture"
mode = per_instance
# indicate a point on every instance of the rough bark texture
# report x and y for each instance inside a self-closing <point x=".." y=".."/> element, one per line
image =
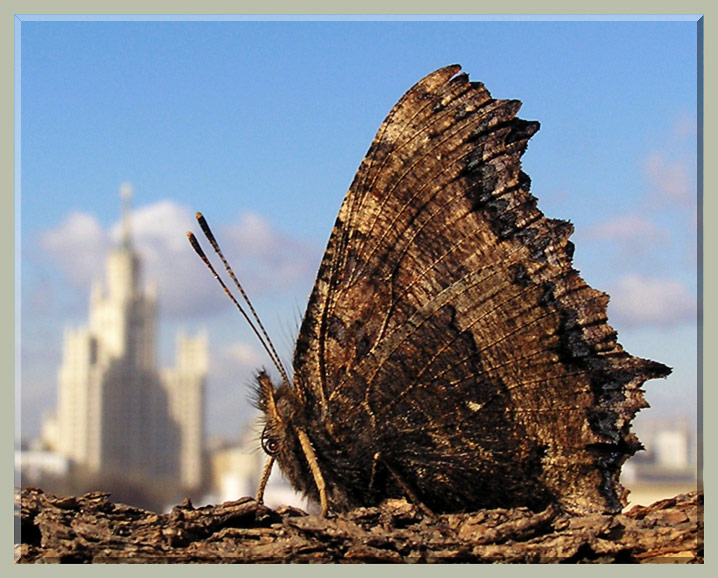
<point x="91" y="529"/>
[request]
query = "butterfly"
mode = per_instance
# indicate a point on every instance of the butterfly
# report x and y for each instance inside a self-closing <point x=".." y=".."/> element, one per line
<point x="450" y="354"/>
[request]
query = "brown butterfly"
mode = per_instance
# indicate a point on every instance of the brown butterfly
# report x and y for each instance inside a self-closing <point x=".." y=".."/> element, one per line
<point x="450" y="354"/>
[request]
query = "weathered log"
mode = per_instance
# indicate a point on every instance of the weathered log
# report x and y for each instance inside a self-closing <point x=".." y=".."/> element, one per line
<point x="92" y="529"/>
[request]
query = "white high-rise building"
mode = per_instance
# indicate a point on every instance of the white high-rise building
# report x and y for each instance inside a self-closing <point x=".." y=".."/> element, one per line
<point x="117" y="414"/>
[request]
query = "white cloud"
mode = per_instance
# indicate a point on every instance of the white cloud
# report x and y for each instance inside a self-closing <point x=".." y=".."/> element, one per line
<point x="264" y="260"/>
<point x="159" y="233"/>
<point x="272" y="260"/>
<point x="241" y="355"/>
<point x="162" y="224"/>
<point x="253" y="234"/>
<point x="638" y="300"/>
<point x="631" y="239"/>
<point x="670" y="179"/>
<point x="78" y="246"/>
<point x="627" y="228"/>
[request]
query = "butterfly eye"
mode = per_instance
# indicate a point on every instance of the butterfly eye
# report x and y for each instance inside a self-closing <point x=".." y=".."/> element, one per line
<point x="270" y="445"/>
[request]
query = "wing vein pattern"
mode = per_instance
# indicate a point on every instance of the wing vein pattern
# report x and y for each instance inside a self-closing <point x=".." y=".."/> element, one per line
<point x="448" y="335"/>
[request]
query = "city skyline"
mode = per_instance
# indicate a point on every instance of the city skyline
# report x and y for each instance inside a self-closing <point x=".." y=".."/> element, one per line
<point x="260" y="126"/>
<point x="121" y="421"/>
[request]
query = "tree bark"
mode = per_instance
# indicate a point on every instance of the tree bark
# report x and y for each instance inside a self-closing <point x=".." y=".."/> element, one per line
<point x="91" y="529"/>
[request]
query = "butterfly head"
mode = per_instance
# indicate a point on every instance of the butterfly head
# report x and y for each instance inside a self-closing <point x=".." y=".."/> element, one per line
<point x="284" y="437"/>
<point x="280" y="416"/>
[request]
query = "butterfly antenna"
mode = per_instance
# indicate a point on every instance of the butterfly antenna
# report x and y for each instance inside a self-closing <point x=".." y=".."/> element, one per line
<point x="263" y="337"/>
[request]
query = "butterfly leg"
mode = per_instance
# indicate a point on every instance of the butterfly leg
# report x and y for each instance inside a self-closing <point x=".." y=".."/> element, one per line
<point x="408" y="491"/>
<point x="377" y="457"/>
<point x="265" y="478"/>
<point x="314" y="467"/>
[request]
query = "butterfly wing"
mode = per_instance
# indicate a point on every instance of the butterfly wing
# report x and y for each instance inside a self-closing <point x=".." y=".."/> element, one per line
<point x="449" y="349"/>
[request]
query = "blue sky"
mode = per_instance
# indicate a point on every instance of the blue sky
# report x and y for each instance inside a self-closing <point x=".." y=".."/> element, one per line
<point x="261" y="126"/>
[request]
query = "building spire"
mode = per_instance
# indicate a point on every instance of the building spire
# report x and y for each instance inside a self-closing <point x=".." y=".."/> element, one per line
<point x="126" y="196"/>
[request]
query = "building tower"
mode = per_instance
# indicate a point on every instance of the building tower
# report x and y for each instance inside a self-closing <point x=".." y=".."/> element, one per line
<point x="117" y="414"/>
